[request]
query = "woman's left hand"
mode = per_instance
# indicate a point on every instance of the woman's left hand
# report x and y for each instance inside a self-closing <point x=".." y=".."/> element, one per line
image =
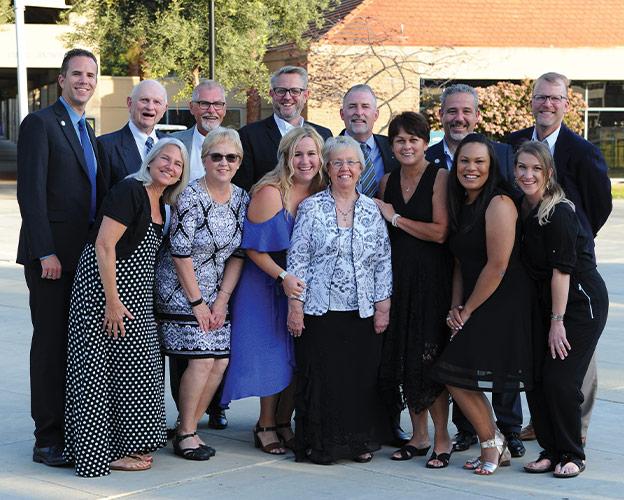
<point x="219" y="310"/>
<point x="381" y="320"/>
<point x="387" y="210"/>
<point x="557" y="341"/>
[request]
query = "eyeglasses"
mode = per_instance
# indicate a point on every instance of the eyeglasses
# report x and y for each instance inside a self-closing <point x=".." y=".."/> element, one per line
<point x="555" y="99"/>
<point x="217" y="105"/>
<point x="348" y="163"/>
<point x="281" y="91"/>
<point x="217" y="157"/>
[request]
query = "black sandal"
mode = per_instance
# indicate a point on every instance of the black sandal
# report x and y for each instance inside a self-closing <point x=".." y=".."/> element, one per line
<point x="442" y="457"/>
<point x="288" y="443"/>
<point x="408" y="452"/>
<point x="200" y="453"/>
<point x="267" y="448"/>
<point x="544" y="455"/>
<point x="570" y="460"/>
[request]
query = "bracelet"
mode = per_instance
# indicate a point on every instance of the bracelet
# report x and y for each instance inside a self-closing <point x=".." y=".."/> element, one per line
<point x="395" y="217"/>
<point x="556" y="317"/>
<point x="280" y="278"/>
<point x="197" y="302"/>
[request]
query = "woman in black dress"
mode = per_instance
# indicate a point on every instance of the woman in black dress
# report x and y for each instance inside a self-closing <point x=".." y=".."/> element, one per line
<point x="573" y="310"/>
<point x="490" y="305"/>
<point x="115" y="406"/>
<point x="415" y="205"/>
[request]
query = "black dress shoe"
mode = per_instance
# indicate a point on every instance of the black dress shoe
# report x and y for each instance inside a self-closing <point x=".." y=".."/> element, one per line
<point x="217" y="420"/>
<point x="50" y="455"/>
<point x="515" y="445"/>
<point x="463" y="441"/>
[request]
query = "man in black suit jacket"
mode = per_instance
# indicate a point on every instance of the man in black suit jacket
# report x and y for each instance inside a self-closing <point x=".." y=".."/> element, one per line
<point x="125" y="148"/>
<point x="359" y="113"/>
<point x="581" y="171"/>
<point x="60" y="185"/>
<point x="260" y="140"/>
<point x="459" y="114"/>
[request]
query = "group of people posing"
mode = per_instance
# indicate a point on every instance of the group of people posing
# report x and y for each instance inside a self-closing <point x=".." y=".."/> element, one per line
<point x="341" y="279"/>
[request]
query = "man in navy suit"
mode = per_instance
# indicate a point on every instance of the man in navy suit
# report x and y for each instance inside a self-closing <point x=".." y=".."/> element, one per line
<point x="60" y="185"/>
<point x="125" y="149"/>
<point x="289" y="94"/>
<point x="459" y="114"/>
<point x="359" y="113"/>
<point x="582" y="172"/>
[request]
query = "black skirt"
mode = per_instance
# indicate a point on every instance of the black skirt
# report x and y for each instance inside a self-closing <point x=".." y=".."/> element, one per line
<point x="338" y="412"/>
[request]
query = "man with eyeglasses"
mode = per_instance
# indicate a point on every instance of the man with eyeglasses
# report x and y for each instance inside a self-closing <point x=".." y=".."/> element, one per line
<point x="125" y="149"/>
<point x="582" y="172"/>
<point x="208" y="107"/>
<point x="289" y="94"/>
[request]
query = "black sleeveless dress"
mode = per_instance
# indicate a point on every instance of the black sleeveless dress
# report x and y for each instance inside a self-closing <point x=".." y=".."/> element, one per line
<point x="492" y="352"/>
<point x="417" y="333"/>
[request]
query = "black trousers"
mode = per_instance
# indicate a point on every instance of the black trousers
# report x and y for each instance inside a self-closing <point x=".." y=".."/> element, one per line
<point x="177" y="366"/>
<point x="49" y="312"/>
<point x="507" y="408"/>
<point x="555" y="402"/>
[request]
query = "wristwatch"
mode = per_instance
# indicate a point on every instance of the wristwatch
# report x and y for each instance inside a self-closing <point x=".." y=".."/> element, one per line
<point x="281" y="276"/>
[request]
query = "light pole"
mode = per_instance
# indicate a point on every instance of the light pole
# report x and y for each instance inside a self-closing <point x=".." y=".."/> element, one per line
<point x="211" y="71"/>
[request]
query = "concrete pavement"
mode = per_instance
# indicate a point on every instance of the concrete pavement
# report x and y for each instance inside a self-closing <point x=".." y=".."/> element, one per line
<point x="240" y="471"/>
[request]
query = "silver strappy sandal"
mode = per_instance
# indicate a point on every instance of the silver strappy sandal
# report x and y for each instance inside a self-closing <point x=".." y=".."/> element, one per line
<point x="504" y="458"/>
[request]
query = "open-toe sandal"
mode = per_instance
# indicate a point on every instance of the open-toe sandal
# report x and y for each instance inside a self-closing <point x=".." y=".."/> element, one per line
<point x="408" y="452"/>
<point x="288" y="443"/>
<point x="267" y="448"/>
<point x="472" y="463"/>
<point x="544" y="455"/>
<point x="442" y="457"/>
<point x="199" y="453"/>
<point x="570" y="460"/>
<point x="131" y="463"/>
<point x="364" y="458"/>
<point x="504" y="455"/>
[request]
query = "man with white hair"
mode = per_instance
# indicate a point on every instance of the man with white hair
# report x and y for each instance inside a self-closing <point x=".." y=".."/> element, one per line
<point x="125" y="149"/>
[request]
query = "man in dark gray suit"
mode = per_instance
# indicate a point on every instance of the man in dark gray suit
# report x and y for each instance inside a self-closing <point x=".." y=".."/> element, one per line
<point x="60" y="185"/>
<point x="459" y="114"/>
<point x="125" y="149"/>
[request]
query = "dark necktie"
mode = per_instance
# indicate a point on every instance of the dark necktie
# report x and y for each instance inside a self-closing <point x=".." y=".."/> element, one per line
<point x="368" y="180"/>
<point x="87" y="149"/>
<point x="149" y="143"/>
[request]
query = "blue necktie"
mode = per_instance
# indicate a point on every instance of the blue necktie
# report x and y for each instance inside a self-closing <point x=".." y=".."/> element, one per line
<point x="149" y="143"/>
<point x="87" y="149"/>
<point x="368" y="179"/>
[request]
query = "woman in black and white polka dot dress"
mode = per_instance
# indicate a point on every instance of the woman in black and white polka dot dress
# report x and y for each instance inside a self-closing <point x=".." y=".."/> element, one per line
<point x="114" y="410"/>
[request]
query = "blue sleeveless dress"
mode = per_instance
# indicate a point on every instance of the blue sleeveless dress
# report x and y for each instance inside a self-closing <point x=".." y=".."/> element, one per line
<point x="262" y="359"/>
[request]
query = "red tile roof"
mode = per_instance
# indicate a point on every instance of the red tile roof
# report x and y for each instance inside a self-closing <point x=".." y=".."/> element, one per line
<point x="476" y="23"/>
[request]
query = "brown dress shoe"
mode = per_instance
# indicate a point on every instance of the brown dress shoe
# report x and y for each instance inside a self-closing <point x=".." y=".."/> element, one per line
<point x="528" y="433"/>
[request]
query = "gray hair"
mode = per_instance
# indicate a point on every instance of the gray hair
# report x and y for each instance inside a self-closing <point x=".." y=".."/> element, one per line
<point x="143" y="174"/>
<point x="221" y="134"/>
<point x="554" y="78"/>
<point x="360" y="87"/>
<point x="334" y="144"/>
<point x="209" y="85"/>
<point x="144" y="83"/>
<point x="459" y="88"/>
<point x="289" y="70"/>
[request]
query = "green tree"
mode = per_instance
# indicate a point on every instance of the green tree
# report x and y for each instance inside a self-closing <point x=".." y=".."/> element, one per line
<point x="506" y="107"/>
<point x="158" y="38"/>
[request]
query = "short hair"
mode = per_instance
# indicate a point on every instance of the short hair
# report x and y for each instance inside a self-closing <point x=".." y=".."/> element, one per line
<point x="281" y="176"/>
<point x="339" y="143"/>
<point x="360" y="87"/>
<point x="552" y="77"/>
<point x="221" y="134"/>
<point x="459" y="88"/>
<point x="207" y="84"/>
<point x="70" y="54"/>
<point x="289" y="70"/>
<point x="144" y="83"/>
<point x="413" y="123"/>
<point x="171" y="193"/>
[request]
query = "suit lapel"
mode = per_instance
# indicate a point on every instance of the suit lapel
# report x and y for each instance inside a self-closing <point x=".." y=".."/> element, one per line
<point x="272" y="130"/>
<point x="562" y="149"/>
<point x="67" y="127"/>
<point x="129" y="152"/>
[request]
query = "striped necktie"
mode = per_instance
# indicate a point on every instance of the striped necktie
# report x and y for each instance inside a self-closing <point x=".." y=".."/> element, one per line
<point x="368" y="179"/>
<point x="149" y="143"/>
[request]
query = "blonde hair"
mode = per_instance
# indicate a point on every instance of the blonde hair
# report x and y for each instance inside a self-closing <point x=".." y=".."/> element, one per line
<point x="170" y="195"/>
<point x="281" y="177"/>
<point x="553" y="192"/>
<point x="219" y="135"/>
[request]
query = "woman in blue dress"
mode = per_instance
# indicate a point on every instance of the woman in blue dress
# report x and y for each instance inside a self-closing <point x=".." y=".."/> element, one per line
<point x="262" y="357"/>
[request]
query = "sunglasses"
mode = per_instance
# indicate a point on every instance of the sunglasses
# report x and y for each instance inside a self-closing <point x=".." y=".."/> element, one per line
<point x="217" y="157"/>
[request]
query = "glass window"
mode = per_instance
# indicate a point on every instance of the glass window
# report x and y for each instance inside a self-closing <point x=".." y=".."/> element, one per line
<point x="606" y="130"/>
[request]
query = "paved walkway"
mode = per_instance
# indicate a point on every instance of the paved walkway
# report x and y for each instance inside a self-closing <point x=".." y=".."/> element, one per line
<point x="240" y="471"/>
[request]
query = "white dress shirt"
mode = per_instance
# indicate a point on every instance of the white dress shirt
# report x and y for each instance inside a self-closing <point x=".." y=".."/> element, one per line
<point x="197" y="167"/>
<point x="285" y="127"/>
<point x="141" y="137"/>
<point x="550" y="140"/>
